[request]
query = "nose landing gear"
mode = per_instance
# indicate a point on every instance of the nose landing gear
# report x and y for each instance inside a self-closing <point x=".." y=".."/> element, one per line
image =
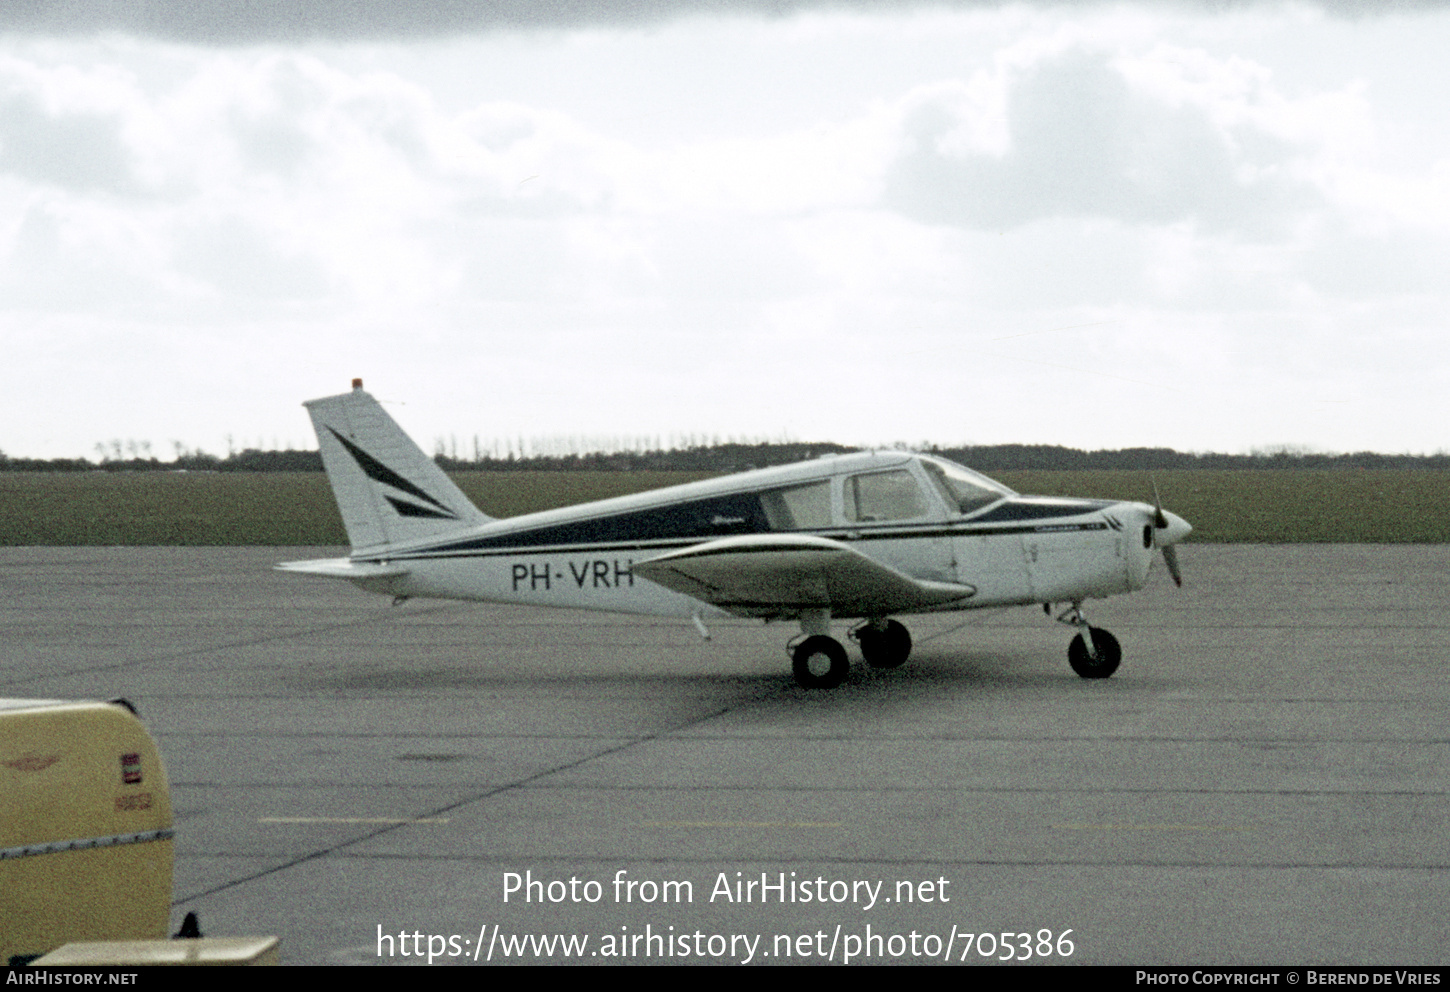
<point x="1094" y="653"/>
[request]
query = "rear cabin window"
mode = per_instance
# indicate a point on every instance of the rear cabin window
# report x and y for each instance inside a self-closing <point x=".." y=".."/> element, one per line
<point x="884" y="496"/>
<point x="798" y="508"/>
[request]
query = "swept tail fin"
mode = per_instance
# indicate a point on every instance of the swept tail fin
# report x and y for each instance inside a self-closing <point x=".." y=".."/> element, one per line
<point x="388" y="491"/>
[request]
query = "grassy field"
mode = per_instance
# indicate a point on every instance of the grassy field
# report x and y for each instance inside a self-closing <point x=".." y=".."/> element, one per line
<point x="262" y="508"/>
<point x="1295" y="506"/>
<point x="280" y="508"/>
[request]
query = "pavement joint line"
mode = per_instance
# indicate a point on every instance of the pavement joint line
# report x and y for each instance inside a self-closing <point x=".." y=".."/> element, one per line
<point x="1433" y="867"/>
<point x="1149" y="826"/>
<point x="343" y="846"/>
<point x="745" y="824"/>
<point x="354" y="819"/>
<point x="207" y="649"/>
<point x="870" y="789"/>
<point x="757" y="738"/>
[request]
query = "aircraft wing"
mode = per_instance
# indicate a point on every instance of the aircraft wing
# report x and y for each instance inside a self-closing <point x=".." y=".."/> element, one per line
<point x="774" y="575"/>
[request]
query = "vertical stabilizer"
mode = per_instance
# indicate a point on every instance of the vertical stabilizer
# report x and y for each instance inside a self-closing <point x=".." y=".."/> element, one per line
<point x="388" y="490"/>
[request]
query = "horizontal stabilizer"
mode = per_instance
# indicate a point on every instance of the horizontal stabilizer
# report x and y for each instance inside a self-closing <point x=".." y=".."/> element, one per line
<point x="375" y="577"/>
<point x="782" y="574"/>
<point x="343" y="568"/>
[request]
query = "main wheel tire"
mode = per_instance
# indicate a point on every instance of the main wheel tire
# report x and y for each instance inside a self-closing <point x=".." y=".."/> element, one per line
<point x="819" y="662"/>
<point x="1110" y="655"/>
<point x="886" y="648"/>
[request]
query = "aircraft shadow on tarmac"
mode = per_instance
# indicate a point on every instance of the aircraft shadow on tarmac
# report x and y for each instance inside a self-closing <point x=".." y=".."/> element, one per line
<point x="936" y="671"/>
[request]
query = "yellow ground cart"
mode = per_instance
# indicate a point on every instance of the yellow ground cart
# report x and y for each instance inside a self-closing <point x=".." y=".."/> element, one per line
<point x="85" y="827"/>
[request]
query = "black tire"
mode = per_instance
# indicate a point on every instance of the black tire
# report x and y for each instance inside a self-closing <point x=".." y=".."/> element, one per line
<point x="1110" y="655"/>
<point x="819" y="662"/>
<point x="887" y="648"/>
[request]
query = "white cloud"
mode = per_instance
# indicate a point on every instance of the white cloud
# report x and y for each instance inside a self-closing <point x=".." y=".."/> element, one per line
<point x="1085" y="138"/>
<point x="962" y="224"/>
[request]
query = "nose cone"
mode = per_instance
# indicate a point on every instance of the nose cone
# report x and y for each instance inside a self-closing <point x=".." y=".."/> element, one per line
<point x="1177" y="529"/>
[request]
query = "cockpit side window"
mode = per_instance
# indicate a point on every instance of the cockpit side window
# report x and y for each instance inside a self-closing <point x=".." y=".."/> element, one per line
<point x="799" y="507"/>
<point x="964" y="490"/>
<point x="884" y="496"/>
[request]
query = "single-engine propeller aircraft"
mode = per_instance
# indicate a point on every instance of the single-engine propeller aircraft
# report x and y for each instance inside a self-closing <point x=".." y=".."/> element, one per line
<point x="864" y="537"/>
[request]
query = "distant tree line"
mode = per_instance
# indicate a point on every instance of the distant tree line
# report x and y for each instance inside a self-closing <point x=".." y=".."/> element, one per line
<point x="727" y="457"/>
<point x="249" y="460"/>
<point x="736" y="457"/>
<point x="1017" y="457"/>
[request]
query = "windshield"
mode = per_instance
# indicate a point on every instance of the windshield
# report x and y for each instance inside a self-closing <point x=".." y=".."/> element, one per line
<point x="964" y="489"/>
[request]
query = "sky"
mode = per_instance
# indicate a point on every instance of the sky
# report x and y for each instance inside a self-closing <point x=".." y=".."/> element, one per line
<point x="561" y="226"/>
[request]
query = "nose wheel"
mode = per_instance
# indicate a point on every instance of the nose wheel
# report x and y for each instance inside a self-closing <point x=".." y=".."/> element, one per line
<point x="1094" y="653"/>
<point x="1109" y="654"/>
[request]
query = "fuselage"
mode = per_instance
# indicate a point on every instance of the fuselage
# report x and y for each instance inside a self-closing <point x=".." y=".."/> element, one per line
<point x="923" y="516"/>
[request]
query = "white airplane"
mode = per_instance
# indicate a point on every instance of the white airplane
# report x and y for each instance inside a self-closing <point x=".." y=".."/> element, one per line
<point x="862" y="537"/>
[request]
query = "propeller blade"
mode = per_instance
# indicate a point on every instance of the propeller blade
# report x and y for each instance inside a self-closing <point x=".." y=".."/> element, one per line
<point x="1159" y="520"/>
<point x="1170" y="558"/>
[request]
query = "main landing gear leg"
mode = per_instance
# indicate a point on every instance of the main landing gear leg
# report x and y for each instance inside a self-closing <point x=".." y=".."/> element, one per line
<point x="884" y="643"/>
<point x="1094" y="653"/>
<point x="819" y="661"/>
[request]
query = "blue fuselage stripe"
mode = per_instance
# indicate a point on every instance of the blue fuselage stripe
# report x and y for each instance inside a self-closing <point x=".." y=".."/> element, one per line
<point x="497" y="547"/>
